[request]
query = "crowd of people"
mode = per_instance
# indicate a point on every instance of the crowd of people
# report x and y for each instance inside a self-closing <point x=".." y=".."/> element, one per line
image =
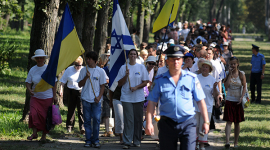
<point x="179" y="82"/>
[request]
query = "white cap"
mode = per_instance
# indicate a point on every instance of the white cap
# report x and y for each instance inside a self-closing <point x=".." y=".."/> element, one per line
<point x="171" y="41"/>
<point x="225" y="43"/>
<point x="151" y="58"/>
<point x="186" y="48"/>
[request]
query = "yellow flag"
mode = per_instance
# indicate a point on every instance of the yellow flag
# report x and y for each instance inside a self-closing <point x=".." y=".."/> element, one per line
<point x="164" y="15"/>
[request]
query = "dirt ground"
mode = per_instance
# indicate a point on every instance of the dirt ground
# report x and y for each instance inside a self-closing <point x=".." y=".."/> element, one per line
<point x="76" y="142"/>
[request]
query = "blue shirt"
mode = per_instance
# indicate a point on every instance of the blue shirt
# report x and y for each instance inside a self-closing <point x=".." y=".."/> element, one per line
<point x="257" y="62"/>
<point x="176" y="101"/>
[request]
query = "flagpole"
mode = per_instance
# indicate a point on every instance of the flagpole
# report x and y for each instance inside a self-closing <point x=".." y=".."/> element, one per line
<point x="89" y="76"/>
<point x="165" y="35"/>
<point x="127" y="66"/>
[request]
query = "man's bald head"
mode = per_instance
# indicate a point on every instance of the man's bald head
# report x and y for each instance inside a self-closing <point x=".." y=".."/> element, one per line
<point x="203" y="53"/>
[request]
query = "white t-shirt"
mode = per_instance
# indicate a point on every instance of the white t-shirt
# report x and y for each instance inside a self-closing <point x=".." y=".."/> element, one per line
<point x="184" y="32"/>
<point x="217" y="74"/>
<point x="34" y="76"/>
<point x="70" y="77"/>
<point x="137" y="74"/>
<point x="151" y="75"/>
<point x="195" y="67"/>
<point x="98" y="78"/>
<point x="207" y="86"/>
<point x="162" y="70"/>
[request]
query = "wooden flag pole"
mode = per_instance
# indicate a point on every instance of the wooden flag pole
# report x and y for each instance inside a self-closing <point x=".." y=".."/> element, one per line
<point x="165" y="34"/>
<point x="89" y="77"/>
<point x="127" y="67"/>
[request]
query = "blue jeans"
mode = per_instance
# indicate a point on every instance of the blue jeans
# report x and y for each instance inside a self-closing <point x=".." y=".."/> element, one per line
<point x="91" y="110"/>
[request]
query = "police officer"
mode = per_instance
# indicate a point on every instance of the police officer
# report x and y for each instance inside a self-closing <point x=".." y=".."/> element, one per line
<point x="257" y="73"/>
<point x="176" y="89"/>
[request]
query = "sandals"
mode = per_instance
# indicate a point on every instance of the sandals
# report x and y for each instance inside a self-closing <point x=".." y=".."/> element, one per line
<point x="32" y="137"/>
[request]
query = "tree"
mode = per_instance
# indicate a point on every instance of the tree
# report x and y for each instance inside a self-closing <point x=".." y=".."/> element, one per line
<point x="102" y="25"/>
<point x="212" y="10"/>
<point x="140" y="19"/>
<point x="256" y="14"/>
<point x="219" y="10"/>
<point x="88" y="32"/>
<point x="42" y="36"/>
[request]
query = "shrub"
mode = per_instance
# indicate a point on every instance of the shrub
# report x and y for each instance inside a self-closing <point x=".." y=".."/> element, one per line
<point x="7" y="50"/>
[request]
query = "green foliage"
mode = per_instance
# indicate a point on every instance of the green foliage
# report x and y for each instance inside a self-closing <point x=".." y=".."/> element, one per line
<point x="256" y="13"/>
<point x="7" y="50"/>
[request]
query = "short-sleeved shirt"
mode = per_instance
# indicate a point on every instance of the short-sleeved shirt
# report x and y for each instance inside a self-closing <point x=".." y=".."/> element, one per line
<point x="176" y="101"/>
<point x="70" y="77"/>
<point x="34" y="76"/>
<point x="227" y="59"/>
<point x="98" y="78"/>
<point x="162" y="70"/>
<point x="137" y="74"/>
<point x="257" y="62"/>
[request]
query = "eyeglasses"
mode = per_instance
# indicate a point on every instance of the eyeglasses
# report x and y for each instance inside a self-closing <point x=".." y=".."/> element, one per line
<point x="151" y="63"/>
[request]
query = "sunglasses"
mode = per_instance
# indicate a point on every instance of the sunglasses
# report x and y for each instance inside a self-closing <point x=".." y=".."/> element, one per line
<point x="77" y="65"/>
<point x="151" y="63"/>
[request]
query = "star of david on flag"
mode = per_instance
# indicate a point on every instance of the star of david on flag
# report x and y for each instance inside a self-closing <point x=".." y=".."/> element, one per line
<point x="120" y="41"/>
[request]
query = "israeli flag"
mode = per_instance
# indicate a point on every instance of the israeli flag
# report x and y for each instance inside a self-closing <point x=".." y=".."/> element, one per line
<point x="120" y="41"/>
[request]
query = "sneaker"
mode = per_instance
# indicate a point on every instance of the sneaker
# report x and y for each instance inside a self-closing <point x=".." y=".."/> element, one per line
<point x="96" y="145"/>
<point x="134" y="145"/>
<point x="87" y="145"/>
<point x="107" y="134"/>
<point x="227" y="146"/>
<point x="126" y="147"/>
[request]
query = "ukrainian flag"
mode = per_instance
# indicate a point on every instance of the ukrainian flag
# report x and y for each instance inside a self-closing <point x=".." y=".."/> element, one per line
<point x="67" y="48"/>
<point x="165" y="14"/>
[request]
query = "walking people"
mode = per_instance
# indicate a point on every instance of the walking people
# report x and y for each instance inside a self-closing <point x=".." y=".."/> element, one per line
<point x="257" y="73"/>
<point x="209" y="86"/>
<point x="70" y="78"/>
<point x="176" y="89"/>
<point x="92" y="79"/>
<point x="133" y="78"/>
<point x="39" y="101"/>
<point x="233" y="111"/>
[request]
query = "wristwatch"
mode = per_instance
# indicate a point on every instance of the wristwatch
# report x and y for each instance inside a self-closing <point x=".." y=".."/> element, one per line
<point x="207" y="122"/>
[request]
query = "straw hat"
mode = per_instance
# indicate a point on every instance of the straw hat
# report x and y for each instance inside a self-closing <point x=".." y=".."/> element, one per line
<point x="39" y="53"/>
<point x="206" y="62"/>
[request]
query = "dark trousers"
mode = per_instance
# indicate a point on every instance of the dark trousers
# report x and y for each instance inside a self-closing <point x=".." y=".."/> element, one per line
<point x="170" y="132"/>
<point x="74" y="100"/>
<point x="255" y="78"/>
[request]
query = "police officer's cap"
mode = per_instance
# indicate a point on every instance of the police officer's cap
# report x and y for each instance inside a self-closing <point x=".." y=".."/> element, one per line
<point x="255" y="46"/>
<point x="175" y="51"/>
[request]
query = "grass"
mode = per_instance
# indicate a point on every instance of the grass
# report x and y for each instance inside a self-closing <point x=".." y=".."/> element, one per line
<point x="255" y="131"/>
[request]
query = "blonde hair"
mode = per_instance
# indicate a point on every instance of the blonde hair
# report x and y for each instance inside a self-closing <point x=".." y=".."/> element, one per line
<point x="79" y="60"/>
<point x="144" y="52"/>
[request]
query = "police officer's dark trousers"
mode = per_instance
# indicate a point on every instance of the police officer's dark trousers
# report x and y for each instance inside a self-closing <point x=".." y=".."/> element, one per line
<point x="170" y="131"/>
<point x="255" y="78"/>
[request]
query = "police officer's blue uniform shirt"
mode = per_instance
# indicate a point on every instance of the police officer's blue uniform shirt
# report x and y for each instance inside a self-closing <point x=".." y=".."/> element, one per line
<point x="257" y="62"/>
<point x="176" y="102"/>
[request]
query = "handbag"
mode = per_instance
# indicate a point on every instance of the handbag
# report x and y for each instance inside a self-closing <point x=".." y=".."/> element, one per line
<point x="56" y="116"/>
<point x="246" y="98"/>
<point x="49" y="119"/>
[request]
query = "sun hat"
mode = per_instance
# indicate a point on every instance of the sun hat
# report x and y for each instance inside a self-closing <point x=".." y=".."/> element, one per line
<point x="151" y="58"/>
<point x="186" y="48"/>
<point x="108" y="52"/>
<point x="39" y="53"/>
<point x="206" y="62"/>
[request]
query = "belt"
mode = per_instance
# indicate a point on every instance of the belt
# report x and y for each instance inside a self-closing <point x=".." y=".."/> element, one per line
<point x="166" y="118"/>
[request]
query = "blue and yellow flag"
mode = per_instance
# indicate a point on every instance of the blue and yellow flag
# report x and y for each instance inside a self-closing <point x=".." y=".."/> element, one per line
<point x="67" y="48"/>
<point x="165" y="14"/>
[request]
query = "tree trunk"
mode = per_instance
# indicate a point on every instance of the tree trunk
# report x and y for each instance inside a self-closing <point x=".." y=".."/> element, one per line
<point x="162" y="3"/>
<point x="146" y="29"/>
<point x="7" y="17"/>
<point x="220" y="10"/>
<point x="22" y="20"/>
<point x="101" y="31"/>
<point x="127" y="13"/>
<point x="89" y="26"/>
<point x="212" y="11"/>
<point x="140" y="19"/>
<point x="78" y="18"/>
<point x="42" y="36"/>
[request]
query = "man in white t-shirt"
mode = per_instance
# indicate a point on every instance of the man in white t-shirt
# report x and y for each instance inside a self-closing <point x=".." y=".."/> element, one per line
<point x="92" y="100"/>
<point x="184" y="32"/>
